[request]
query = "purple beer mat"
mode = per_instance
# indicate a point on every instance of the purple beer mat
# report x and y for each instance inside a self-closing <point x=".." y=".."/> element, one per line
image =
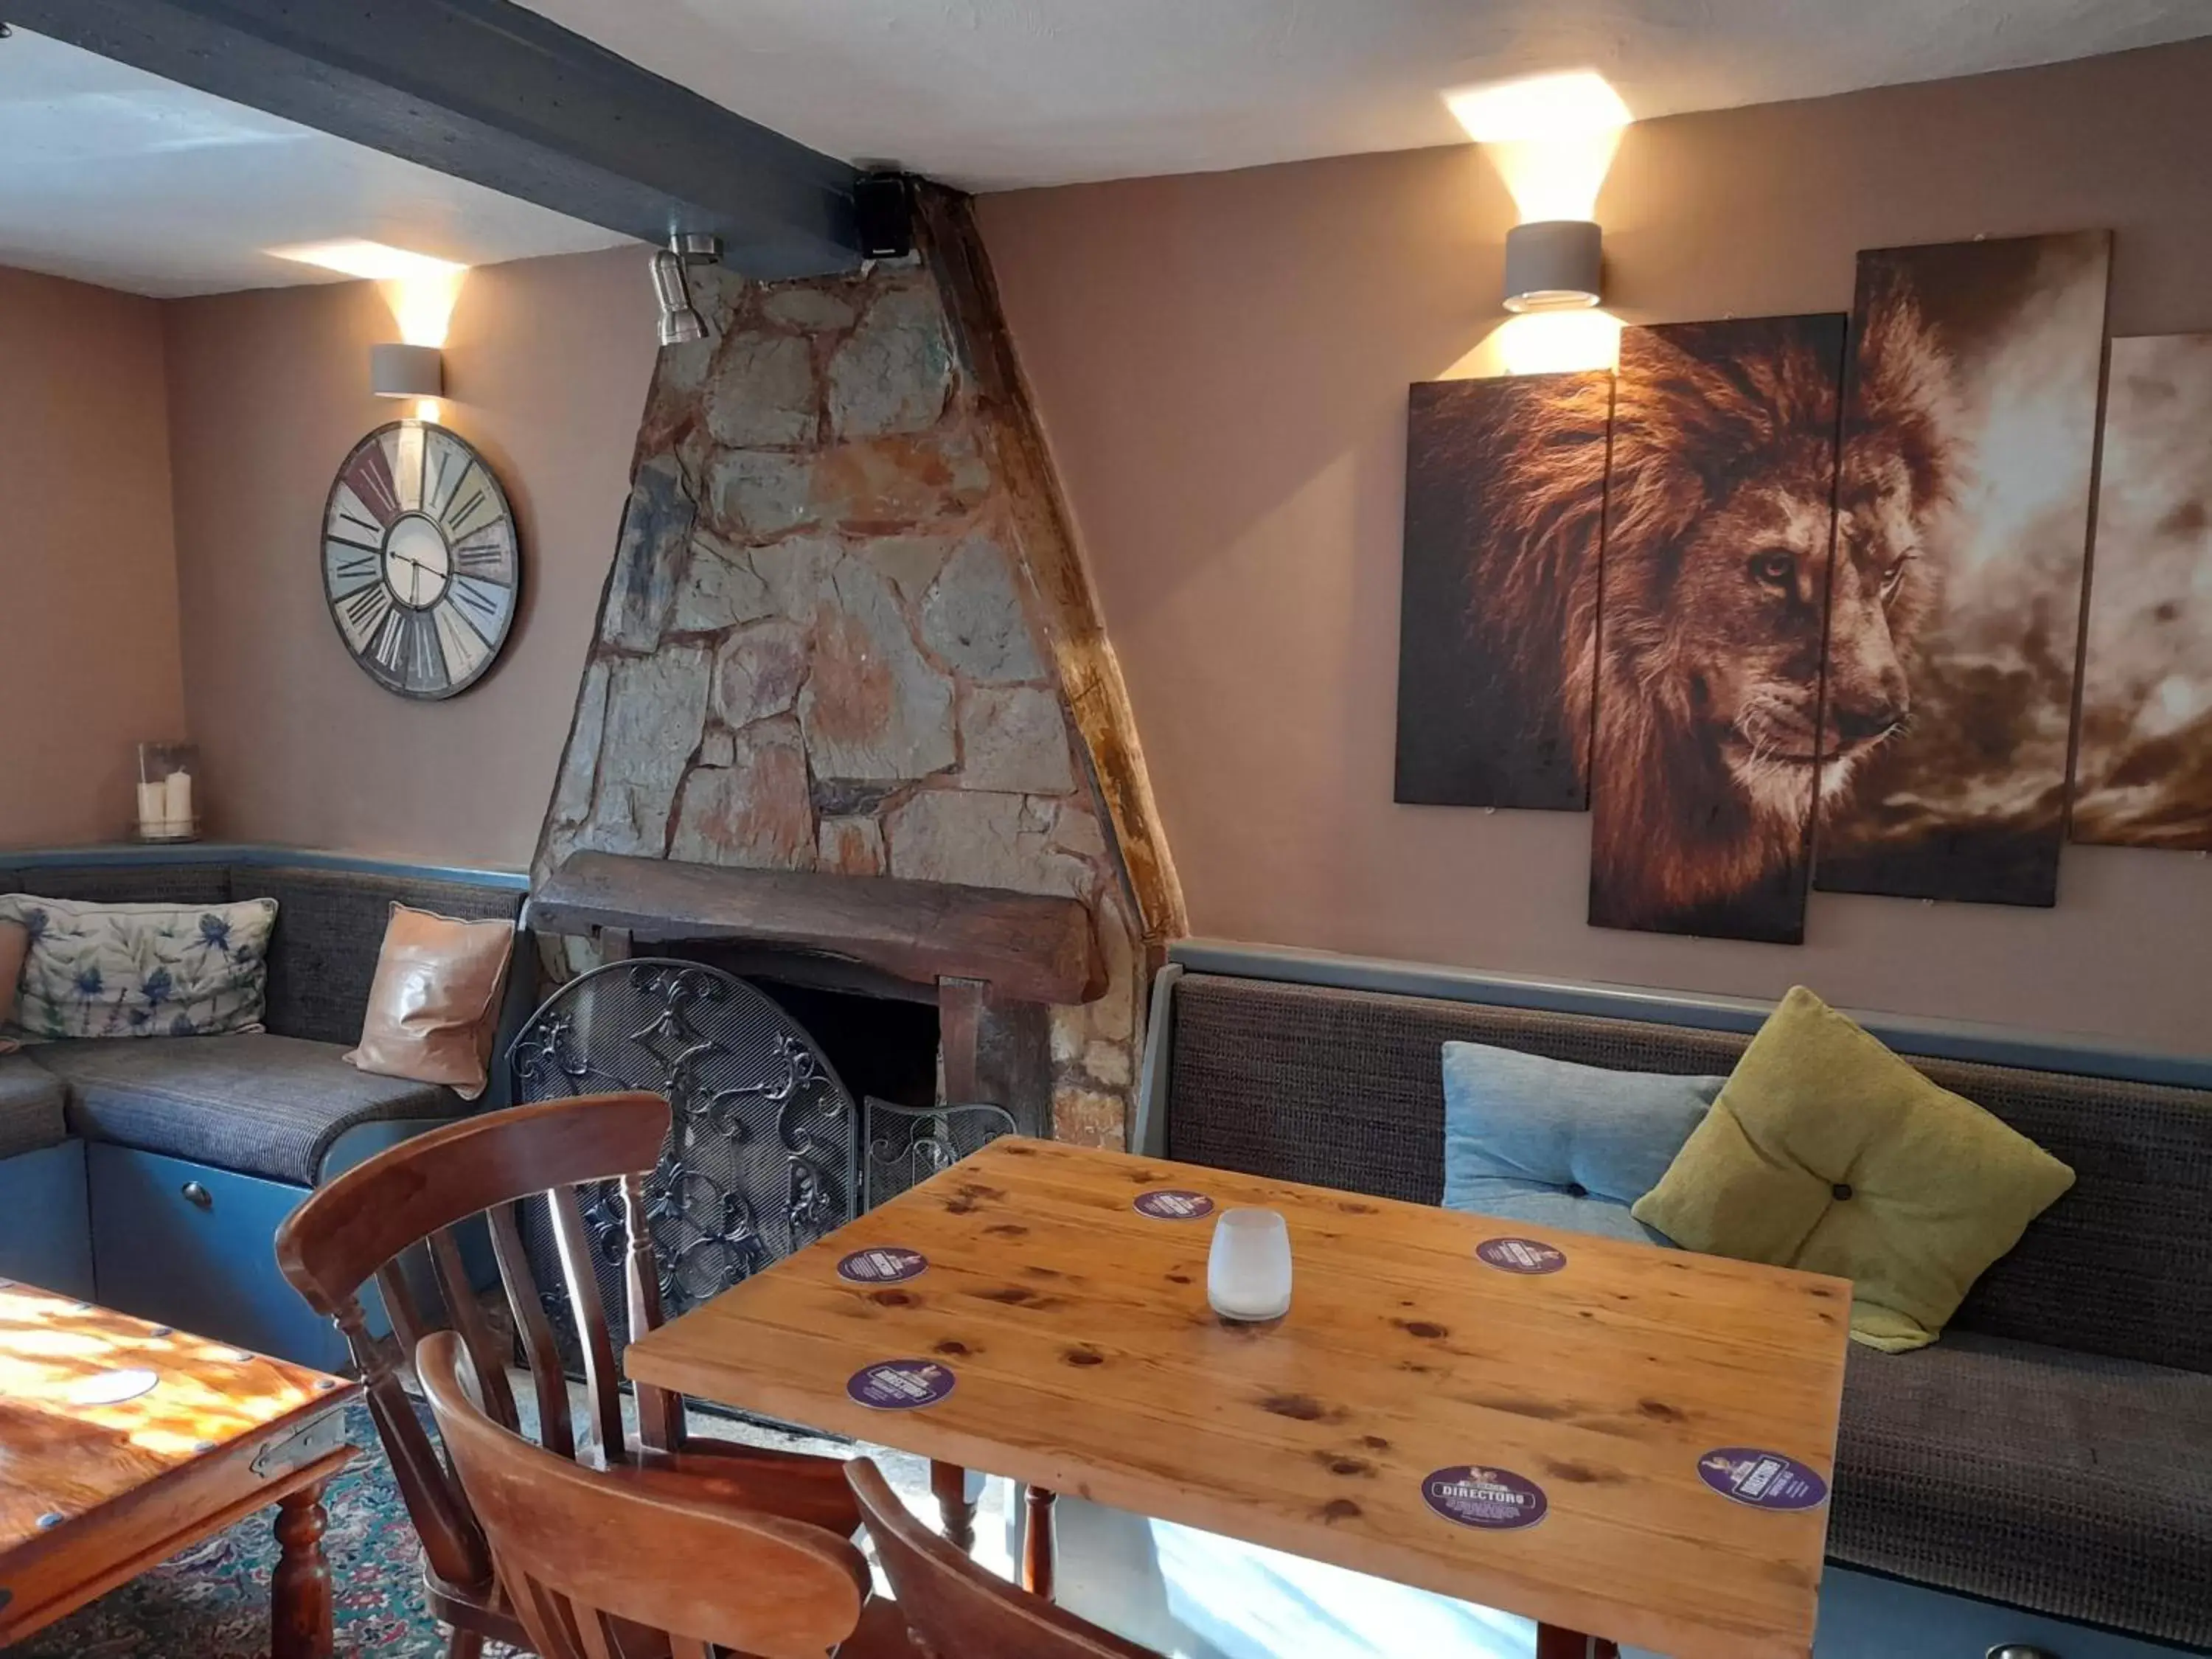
<point x="882" y="1264"/>
<point x="900" y="1385"/>
<point x="1522" y="1255"/>
<point x="1475" y="1496"/>
<point x="1763" y="1480"/>
<point x="1173" y="1204"/>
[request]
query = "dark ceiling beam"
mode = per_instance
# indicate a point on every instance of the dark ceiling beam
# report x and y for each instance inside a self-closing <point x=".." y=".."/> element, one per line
<point x="489" y="92"/>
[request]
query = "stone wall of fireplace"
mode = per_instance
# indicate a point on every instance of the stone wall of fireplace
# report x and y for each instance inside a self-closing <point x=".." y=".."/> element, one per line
<point x="824" y="645"/>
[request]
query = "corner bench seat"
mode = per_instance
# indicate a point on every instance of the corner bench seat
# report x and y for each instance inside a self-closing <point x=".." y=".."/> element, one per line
<point x="253" y="1102"/>
<point x="2000" y="1468"/>
<point x="150" y="1174"/>
<point x="2053" y="1452"/>
<point x="30" y="1099"/>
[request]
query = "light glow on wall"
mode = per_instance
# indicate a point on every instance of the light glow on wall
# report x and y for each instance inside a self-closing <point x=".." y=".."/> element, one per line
<point x="1556" y="177"/>
<point x="1552" y="139"/>
<point x="1556" y="342"/>
<point x="419" y="289"/>
<point x="425" y="409"/>
<point x="1538" y="106"/>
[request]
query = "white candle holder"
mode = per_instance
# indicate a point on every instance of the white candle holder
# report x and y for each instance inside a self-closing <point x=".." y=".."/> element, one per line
<point x="1247" y="1271"/>
<point x="168" y="782"/>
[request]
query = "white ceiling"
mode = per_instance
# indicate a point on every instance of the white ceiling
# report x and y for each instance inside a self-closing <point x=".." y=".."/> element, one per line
<point x="117" y="177"/>
<point x="993" y="94"/>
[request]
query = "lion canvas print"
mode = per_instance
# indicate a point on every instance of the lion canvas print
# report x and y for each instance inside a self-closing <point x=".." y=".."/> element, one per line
<point x="1719" y="523"/>
<point x="1505" y="502"/>
<point x="2143" y="777"/>
<point x="1970" y="432"/>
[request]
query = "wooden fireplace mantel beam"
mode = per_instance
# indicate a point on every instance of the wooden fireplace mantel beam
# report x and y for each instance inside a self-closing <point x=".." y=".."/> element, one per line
<point x="1025" y="947"/>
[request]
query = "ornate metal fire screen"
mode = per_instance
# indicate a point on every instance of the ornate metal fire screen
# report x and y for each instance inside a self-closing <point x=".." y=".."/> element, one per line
<point x="764" y="1156"/>
<point x="906" y="1144"/>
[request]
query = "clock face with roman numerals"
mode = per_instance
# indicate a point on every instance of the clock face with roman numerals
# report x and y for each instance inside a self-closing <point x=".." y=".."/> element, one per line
<point x="421" y="565"/>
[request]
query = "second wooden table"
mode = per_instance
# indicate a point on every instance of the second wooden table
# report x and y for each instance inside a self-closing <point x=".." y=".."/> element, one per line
<point x="1073" y="1330"/>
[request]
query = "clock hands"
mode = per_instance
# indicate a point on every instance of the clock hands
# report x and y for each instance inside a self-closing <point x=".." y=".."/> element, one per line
<point x="414" y="587"/>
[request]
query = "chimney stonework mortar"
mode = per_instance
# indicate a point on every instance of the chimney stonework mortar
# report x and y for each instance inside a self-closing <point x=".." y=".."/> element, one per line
<point x="840" y="628"/>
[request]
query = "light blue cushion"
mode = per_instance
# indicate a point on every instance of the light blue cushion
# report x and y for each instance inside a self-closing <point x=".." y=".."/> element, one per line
<point x="1559" y="1145"/>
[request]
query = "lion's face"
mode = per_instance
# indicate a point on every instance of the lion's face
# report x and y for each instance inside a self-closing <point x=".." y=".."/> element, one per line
<point x="1741" y="634"/>
<point x="1723" y="612"/>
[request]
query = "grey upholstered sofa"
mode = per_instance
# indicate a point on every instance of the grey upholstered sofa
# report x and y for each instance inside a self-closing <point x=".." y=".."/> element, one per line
<point x="150" y="1173"/>
<point x="2054" y="1450"/>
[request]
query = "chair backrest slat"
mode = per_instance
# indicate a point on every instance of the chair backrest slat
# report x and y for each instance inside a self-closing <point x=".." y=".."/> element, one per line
<point x="599" y="1641"/>
<point x="597" y="1552"/>
<point x="539" y="1349"/>
<point x="956" y="1610"/>
<point x="601" y="1378"/>
<point x="465" y="1315"/>
<point x="396" y="1284"/>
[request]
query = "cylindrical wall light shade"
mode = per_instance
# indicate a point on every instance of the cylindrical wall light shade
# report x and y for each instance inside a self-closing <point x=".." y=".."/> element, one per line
<point x="1553" y="264"/>
<point x="407" y="371"/>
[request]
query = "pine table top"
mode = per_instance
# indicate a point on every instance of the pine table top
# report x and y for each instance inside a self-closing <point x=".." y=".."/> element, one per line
<point x="1083" y="1357"/>
<point x="121" y="1441"/>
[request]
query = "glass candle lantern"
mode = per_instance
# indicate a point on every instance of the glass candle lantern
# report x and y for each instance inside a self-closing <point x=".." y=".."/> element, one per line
<point x="166" y="779"/>
<point x="1248" y="1272"/>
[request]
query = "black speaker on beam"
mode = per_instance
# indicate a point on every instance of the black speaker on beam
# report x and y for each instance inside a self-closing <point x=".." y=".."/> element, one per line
<point x="882" y="203"/>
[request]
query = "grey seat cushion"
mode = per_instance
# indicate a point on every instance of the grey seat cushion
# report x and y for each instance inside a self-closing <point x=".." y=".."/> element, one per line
<point x="2063" y="1482"/>
<point x="255" y="1103"/>
<point x="30" y="1106"/>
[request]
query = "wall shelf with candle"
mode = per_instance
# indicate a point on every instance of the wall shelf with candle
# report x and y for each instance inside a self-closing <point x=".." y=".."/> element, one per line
<point x="166" y="811"/>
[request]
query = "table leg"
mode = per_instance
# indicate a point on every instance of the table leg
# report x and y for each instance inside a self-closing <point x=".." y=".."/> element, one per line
<point x="1037" y="1543"/>
<point x="299" y="1624"/>
<point x="1553" y="1643"/>
<point x="948" y="1485"/>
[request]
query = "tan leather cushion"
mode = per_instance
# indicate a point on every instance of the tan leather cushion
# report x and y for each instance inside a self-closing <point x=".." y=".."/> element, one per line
<point x="15" y="945"/>
<point x="434" y="1009"/>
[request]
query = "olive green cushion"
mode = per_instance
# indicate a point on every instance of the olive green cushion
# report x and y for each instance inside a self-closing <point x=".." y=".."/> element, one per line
<point x="1825" y="1152"/>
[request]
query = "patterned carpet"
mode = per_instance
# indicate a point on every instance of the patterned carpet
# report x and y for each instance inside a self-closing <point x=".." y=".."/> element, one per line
<point x="212" y="1602"/>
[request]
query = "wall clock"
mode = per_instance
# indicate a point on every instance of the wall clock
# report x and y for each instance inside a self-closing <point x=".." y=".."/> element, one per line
<point x="420" y="566"/>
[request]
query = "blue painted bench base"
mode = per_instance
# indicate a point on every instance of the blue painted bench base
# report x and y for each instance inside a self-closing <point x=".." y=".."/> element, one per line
<point x="46" y="1220"/>
<point x="209" y="1270"/>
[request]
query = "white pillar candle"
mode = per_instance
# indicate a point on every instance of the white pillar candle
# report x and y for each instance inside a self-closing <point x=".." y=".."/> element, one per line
<point x="153" y="805"/>
<point x="178" y="790"/>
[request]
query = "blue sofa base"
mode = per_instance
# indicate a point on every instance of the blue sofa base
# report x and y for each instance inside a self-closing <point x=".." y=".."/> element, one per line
<point x="207" y="1269"/>
<point x="46" y="1238"/>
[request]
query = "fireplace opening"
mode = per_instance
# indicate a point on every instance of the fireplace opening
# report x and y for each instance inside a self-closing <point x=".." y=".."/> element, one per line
<point x="885" y="1049"/>
<point x="879" y="1037"/>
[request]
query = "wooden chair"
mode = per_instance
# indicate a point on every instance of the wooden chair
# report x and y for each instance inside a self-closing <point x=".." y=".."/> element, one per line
<point x="956" y="1610"/>
<point x="606" y="1564"/>
<point x="392" y="1218"/>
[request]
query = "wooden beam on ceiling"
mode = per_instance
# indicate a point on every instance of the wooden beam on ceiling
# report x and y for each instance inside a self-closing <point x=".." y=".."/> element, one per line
<point x="488" y="91"/>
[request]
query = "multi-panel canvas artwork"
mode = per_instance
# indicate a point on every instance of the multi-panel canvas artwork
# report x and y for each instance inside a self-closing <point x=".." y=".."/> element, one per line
<point x="2143" y="774"/>
<point x="1810" y="602"/>
<point x="1719" y="522"/>
<point x="1970" y="430"/>
<point x="1505" y="504"/>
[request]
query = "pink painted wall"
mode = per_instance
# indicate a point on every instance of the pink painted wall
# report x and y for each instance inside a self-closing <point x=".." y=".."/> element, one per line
<point x="88" y="665"/>
<point x="1222" y="363"/>
<point x="546" y="366"/>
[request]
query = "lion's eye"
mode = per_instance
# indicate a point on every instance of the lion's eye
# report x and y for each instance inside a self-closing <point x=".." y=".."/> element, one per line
<point x="1774" y="569"/>
<point x="1892" y="577"/>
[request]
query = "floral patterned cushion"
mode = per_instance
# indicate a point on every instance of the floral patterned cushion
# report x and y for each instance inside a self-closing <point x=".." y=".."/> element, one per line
<point x="122" y="970"/>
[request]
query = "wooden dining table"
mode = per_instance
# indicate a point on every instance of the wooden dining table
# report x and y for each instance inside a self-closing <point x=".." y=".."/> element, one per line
<point x="1626" y="1444"/>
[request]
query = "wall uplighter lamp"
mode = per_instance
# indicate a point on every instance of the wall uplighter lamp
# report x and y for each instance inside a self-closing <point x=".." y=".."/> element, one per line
<point x="1551" y="137"/>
